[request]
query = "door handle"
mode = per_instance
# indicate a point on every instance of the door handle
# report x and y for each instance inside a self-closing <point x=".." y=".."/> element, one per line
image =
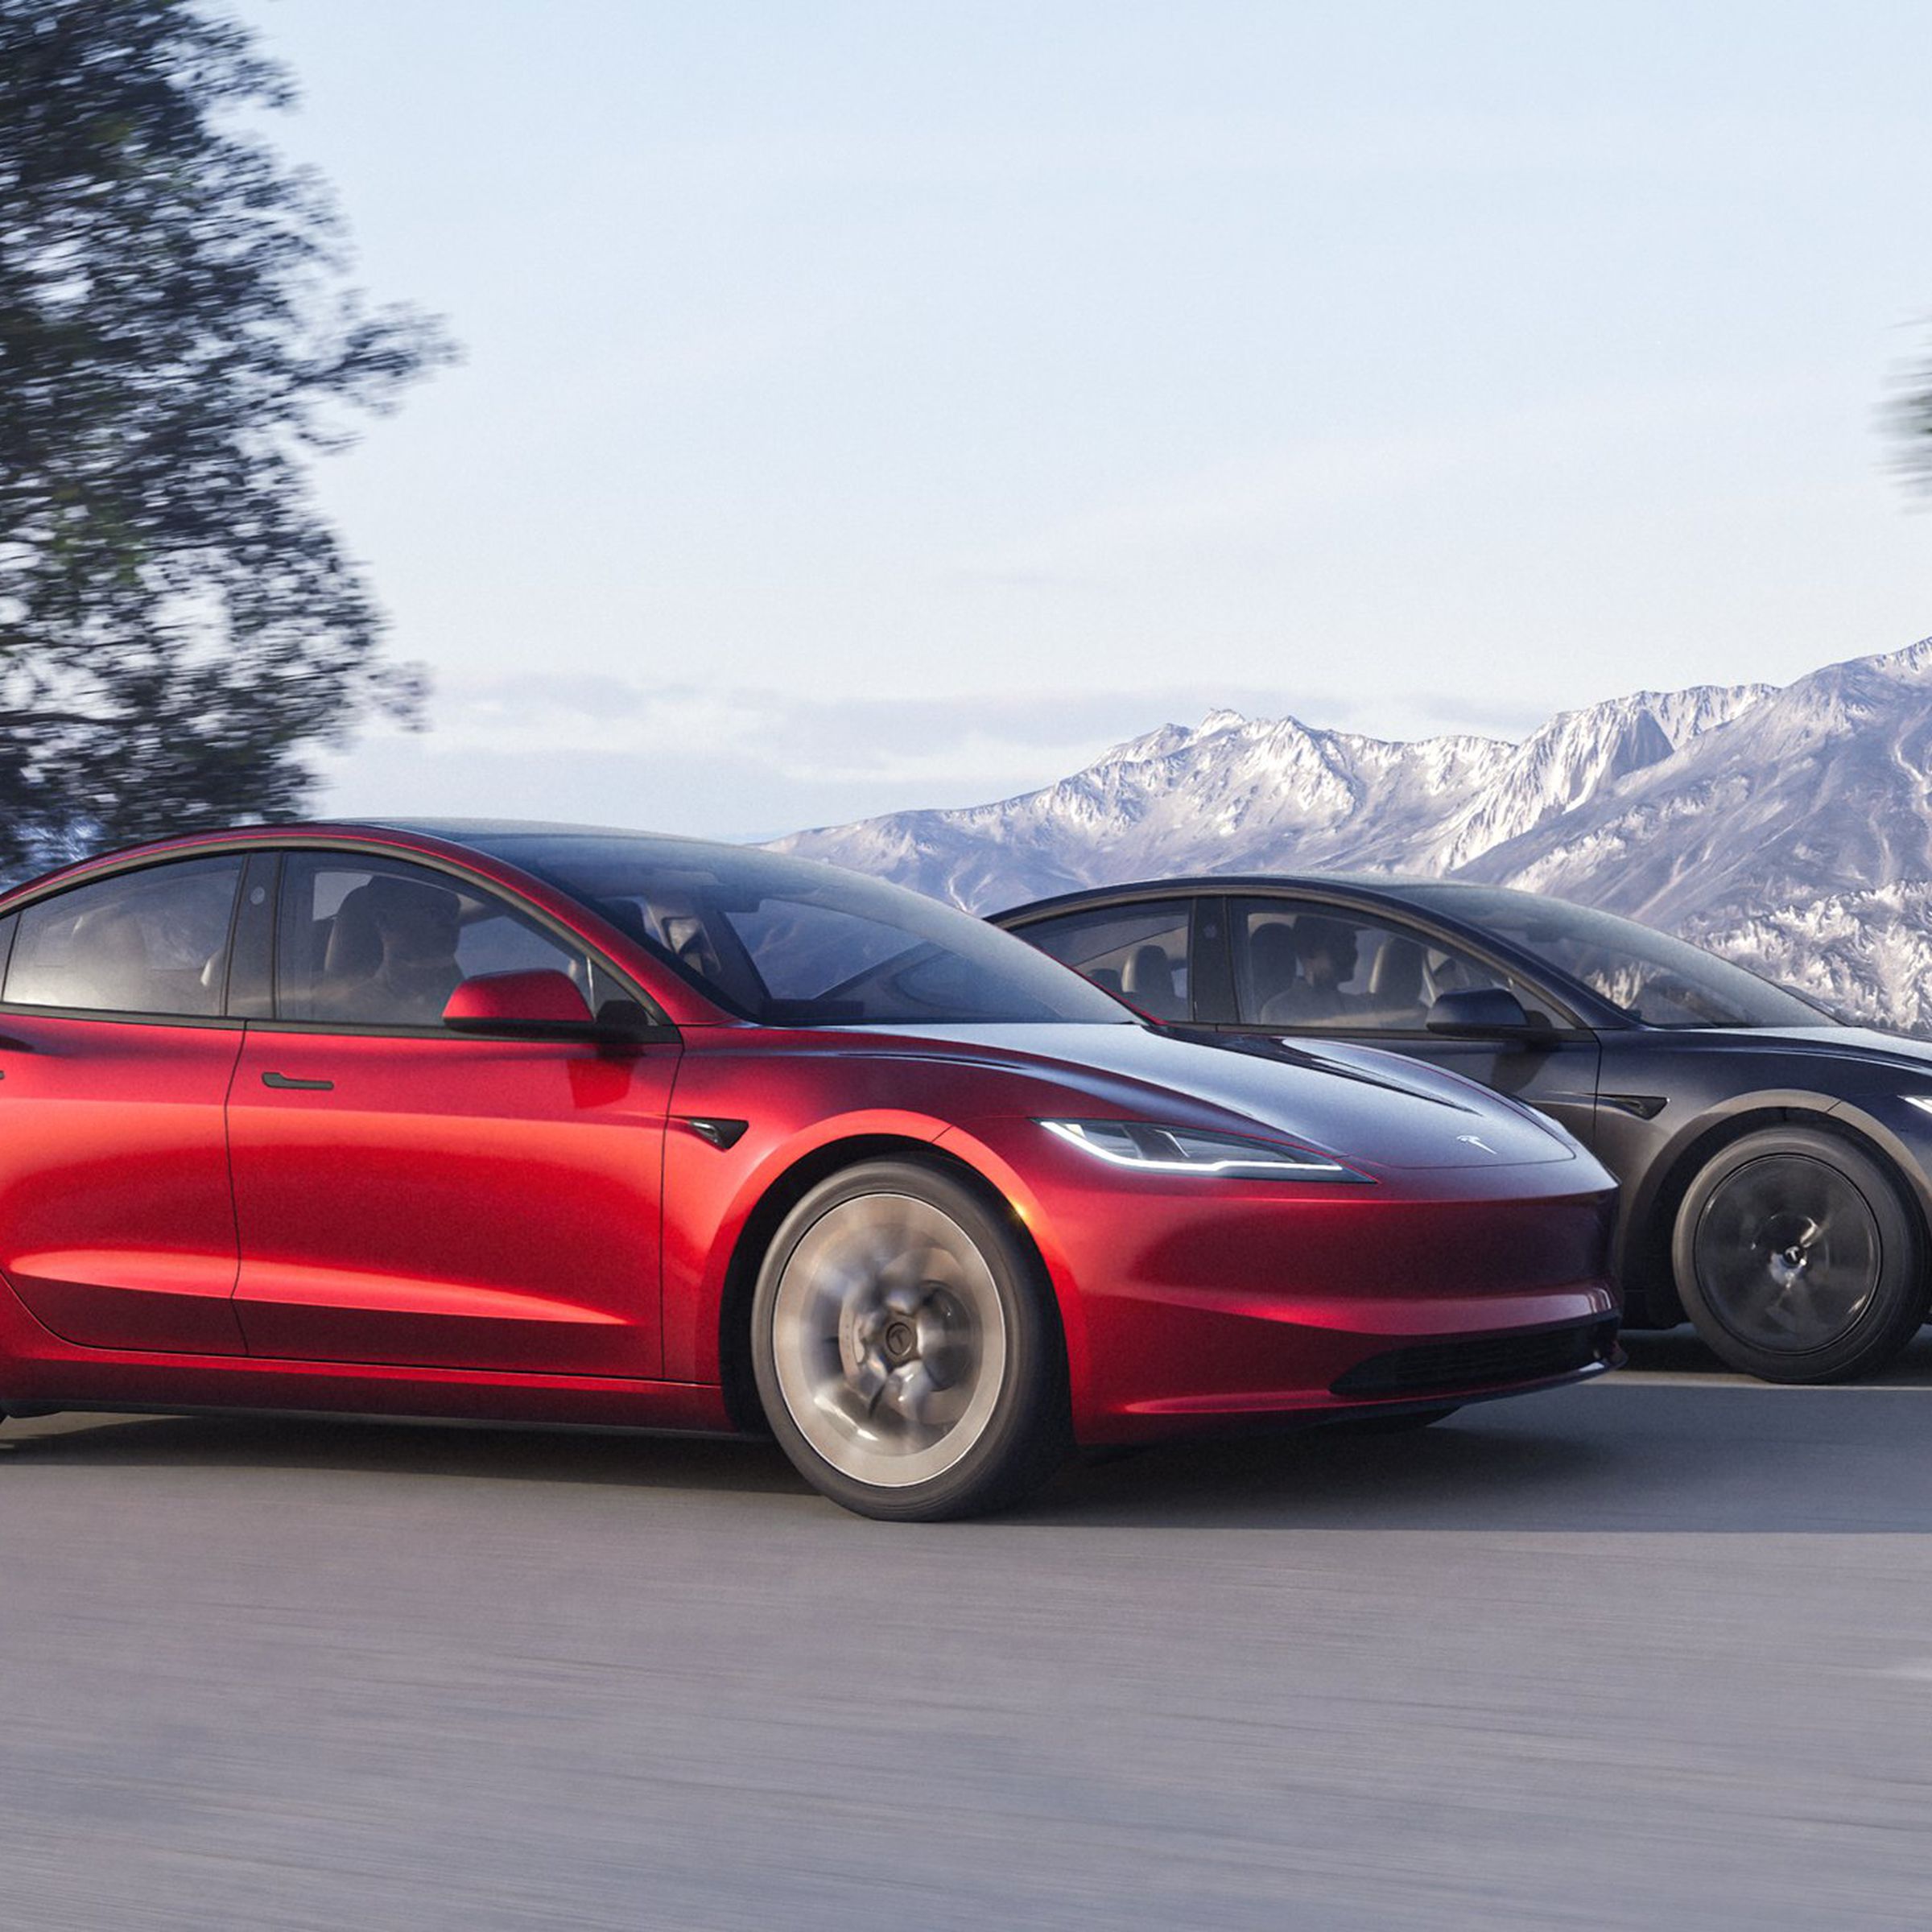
<point x="289" y="1082"/>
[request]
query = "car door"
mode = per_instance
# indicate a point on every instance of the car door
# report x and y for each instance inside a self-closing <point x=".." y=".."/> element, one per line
<point x="117" y="1229"/>
<point x="409" y="1196"/>
<point x="1309" y="967"/>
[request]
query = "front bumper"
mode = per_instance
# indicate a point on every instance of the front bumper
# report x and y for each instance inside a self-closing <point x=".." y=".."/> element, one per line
<point x="1193" y="1305"/>
<point x="1463" y="1366"/>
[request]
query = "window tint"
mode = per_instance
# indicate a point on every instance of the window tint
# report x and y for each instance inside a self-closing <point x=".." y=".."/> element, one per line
<point x="150" y="942"/>
<point x="791" y="943"/>
<point x="1299" y="965"/>
<point x="1140" y="952"/>
<point x="1654" y="978"/>
<point x="367" y="943"/>
<point x="807" y="949"/>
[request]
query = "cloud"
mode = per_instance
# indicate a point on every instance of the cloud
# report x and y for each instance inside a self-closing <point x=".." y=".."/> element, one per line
<point x="753" y="762"/>
<point x="833" y="736"/>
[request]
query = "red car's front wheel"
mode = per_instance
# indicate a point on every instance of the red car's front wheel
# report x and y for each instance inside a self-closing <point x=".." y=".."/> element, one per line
<point x="908" y="1356"/>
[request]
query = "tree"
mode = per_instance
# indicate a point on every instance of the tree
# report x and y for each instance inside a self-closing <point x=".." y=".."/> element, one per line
<point x="1915" y="428"/>
<point x="178" y="622"/>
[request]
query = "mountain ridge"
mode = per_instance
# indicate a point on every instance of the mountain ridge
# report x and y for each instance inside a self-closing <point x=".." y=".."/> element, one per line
<point x="1788" y="827"/>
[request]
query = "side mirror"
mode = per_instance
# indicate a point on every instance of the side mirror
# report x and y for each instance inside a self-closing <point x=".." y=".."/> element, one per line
<point x="1483" y="1012"/>
<point x="543" y="1005"/>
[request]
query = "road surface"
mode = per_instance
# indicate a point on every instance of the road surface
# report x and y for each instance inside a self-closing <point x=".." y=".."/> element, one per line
<point x="1656" y="1652"/>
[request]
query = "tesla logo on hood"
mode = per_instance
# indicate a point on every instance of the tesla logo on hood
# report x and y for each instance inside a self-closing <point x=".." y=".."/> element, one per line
<point x="1473" y="1140"/>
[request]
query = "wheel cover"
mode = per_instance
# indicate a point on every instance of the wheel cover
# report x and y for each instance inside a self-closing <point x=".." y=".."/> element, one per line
<point x="1788" y="1253"/>
<point x="889" y="1340"/>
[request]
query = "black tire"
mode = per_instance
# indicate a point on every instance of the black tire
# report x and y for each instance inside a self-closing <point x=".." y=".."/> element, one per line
<point x="1800" y="1257"/>
<point x="908" y="1354"/>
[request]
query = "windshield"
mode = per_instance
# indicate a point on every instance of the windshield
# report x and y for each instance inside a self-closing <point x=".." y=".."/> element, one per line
<point x="1654" y="979"/>
<point x="793" y="943"/>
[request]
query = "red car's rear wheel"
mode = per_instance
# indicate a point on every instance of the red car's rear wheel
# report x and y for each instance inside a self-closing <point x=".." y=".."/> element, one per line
<point x="908" y="1356"/>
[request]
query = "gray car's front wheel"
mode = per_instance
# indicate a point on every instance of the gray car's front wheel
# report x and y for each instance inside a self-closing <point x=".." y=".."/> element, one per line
<point x="1799" y="1257"/>
<point x="908" y="1355"/>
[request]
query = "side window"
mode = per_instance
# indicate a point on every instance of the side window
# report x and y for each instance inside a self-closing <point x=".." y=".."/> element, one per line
<point x="1301" y="964"/>
<point x="368" y="942"/>
<point x="1140" y="952"/>
<point x="150" y="942"/>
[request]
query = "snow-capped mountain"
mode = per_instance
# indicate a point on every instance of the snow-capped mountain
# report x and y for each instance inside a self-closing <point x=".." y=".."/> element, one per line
<point x="1790" y="828"/>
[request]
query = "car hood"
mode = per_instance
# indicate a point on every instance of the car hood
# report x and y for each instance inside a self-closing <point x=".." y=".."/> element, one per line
<point x="1369" y="1109"/>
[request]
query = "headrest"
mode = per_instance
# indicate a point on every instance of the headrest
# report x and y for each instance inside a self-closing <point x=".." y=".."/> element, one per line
<point x="1271" y="955"/>
<point x="1398" y="978"/>
<point x="1273" y="944"/>
<point x="422" y="920"/>
<point x="1149" y="972"/>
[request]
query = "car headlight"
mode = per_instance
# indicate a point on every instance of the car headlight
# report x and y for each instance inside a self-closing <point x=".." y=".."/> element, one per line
<point x="1153" y="1149"/>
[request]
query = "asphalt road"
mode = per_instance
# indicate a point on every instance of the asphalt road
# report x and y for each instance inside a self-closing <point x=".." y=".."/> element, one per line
<point x="1652" y="1653"/>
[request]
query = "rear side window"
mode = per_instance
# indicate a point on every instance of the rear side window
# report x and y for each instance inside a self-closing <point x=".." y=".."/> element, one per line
<point x="150" y="942"/>
<point x="1140" y="952"/>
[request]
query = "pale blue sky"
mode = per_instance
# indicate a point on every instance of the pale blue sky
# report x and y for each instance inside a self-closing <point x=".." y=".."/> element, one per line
<point x="873" y="405"/>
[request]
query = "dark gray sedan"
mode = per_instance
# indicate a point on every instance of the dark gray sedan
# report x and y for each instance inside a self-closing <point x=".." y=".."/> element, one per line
<point x="1776" y="1163"/>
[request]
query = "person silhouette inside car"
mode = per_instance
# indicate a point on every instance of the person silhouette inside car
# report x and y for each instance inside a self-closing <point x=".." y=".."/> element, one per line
<point x="1325" y="952"/>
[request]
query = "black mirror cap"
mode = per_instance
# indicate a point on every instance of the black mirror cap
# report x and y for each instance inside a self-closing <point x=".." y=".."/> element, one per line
<point x="1485" y="1013"/>
<point x="619" y="1023"/>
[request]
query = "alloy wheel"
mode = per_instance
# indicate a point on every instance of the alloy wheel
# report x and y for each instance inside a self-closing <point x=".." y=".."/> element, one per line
<point x="1789" y="1254"/>
<point x="888" y="1340"/>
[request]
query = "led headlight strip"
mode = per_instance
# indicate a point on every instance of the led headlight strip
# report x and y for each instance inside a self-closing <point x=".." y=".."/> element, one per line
<point x="1150" y="1148"/>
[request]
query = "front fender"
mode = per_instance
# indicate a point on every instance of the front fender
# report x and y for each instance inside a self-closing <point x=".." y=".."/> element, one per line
<point x="968" y="1145"/>
<point x="711" y="1193"/>
<point x="1893" y="1128"/>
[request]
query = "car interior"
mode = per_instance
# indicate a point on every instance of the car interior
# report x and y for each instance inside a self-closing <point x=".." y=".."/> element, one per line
<point x="1141" y="954"/>
<point x="397" y="945"/>
<point x="140" y="945"/>
<point x="1327" y="969"/>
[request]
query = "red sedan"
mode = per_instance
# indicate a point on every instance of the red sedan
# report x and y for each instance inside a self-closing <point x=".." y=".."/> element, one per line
<point x="506" y="1121"/>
